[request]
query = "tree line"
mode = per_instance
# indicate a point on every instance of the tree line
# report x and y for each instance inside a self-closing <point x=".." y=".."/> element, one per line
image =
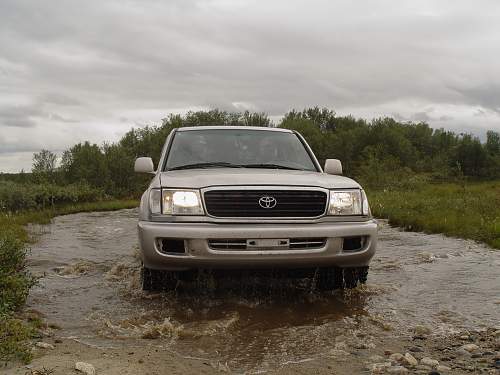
<point x="381" y="152"/>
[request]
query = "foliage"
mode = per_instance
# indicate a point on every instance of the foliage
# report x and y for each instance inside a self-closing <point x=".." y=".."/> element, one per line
<point x="44" y="165"/>
<point x="376" y="151"/>
<point x="16" y="196"/>
<point x="14" y="339"/>
<point x="15" y="283"/>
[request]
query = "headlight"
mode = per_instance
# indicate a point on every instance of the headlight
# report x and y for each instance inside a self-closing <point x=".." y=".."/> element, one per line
<point x="175" y="202"/>
<point x="347" y="202"/>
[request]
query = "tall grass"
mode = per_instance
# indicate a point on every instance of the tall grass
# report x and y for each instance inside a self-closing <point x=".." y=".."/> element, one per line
<point x="467" y="210"/>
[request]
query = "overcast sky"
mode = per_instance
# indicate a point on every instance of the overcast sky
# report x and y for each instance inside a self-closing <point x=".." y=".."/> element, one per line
<point x="90" y="70"/>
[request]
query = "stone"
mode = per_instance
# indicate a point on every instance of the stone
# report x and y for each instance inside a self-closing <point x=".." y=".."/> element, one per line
<point x="421" y="330"/>
<point x="429" y="362"/>
<point x="463" y="353"/>
<point x="396" y="357"/>
<point x="410" y="360"/>
<point x="339" y="353"/>
<point x="376" y="358"/>
<point x="86" y="368"/>
<point x="380" y="368"/>
<point x="442" y="368"/>
<point x="470" y="347"/>
<point x="397" y="370"/>
<point x="421" y="369"/>
<point x="44" y="345"/>
<point x="416" y="349"/>
<point x="427" y="257"/>
<point x="363" y="345"/>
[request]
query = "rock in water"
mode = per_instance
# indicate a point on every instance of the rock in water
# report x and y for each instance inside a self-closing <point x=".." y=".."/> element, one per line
<point x="442" y="368"/>
<point x="470" y="347"/>
<point x="44" y="345"/>
<point x="421" y="330"/>
<point x="429" y="362"/>
<point x="396" y="357"/>
<point x="86" y="368"/>
<point x="399" y="370"/>
<point x="410" y="360"/>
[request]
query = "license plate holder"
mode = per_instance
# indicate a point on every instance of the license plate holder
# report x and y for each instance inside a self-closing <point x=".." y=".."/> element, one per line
<point x="268" y="243"/>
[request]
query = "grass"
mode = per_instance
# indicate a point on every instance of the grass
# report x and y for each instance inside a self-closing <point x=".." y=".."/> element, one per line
<point x="470" y="210"/>
<point x="15" y="281"/>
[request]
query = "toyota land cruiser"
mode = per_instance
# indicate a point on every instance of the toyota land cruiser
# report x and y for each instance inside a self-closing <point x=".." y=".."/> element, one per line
<point x="251" y="198"/>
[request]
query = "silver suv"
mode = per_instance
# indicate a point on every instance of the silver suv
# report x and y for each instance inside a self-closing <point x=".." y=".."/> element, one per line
<point x="251" y="198"/>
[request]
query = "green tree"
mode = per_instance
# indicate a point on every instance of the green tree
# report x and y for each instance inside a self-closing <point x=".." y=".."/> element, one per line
<point x="493" y="142"/>
<point x="44" y="165"/>
<point x="84" y="163"/>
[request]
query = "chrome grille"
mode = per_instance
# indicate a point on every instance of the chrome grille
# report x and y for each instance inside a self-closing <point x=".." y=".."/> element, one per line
<point x="242" y="244"/>
<point x="245" y="203"/>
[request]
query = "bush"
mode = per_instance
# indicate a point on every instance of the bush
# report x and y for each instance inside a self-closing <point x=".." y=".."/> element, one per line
<point x="15" y="283"/>
<point x="14" y="279"/>
<point x="15" y="197"/>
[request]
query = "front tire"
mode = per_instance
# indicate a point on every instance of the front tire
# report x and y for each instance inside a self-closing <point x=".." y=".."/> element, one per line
<point x="158" y="280"/>
<point x="341" y="278"/>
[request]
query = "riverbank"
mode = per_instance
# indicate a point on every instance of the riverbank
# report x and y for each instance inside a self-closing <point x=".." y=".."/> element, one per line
<point x="469" y="211"/>
<point x="16" y="329"/>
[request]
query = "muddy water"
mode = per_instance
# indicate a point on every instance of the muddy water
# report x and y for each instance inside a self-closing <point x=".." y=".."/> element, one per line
<point x="89" y="288"/>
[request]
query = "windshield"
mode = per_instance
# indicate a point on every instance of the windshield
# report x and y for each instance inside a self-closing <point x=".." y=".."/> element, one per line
<point x="237" y="148"/>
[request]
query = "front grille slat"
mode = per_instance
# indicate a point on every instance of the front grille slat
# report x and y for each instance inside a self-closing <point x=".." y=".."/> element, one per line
<point x="241" y="244"/>
<point x="245" y="203"/>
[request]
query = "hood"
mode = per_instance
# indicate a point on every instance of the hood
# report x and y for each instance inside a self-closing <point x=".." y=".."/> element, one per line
<point x="202" y="178"/>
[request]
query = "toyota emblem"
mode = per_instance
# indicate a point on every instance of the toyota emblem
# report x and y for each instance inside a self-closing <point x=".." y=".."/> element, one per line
<point x="267" y="202"/>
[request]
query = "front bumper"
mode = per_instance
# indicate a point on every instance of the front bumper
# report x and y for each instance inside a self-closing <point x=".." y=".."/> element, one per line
<point x="199" y="254"/>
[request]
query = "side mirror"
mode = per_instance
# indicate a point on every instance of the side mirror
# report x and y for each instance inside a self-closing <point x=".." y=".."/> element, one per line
<point x="144" y="165"/>
<point x="333" y="166"/>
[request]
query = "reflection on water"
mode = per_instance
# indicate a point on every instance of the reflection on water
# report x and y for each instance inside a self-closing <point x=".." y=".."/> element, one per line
<point x="90" y="289"/>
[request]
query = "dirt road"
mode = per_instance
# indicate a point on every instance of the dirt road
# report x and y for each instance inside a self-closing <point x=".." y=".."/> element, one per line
<point x="435" y="298"/>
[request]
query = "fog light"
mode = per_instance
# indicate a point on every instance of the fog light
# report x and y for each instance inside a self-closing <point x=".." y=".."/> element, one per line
<point x="353" y="243"/>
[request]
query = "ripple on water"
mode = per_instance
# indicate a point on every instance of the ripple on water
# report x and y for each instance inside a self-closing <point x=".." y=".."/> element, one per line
<point x="415" y="279"/>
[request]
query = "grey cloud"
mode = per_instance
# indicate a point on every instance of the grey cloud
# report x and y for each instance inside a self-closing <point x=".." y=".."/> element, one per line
<point x="56" y="117"/>
<point x="19" y="116"/>
<point x="27" y="146"/>
<point x="59" y="99"/>
<point x="23" y="116"/>
<point x="421" y="117"/>
<point x="92" y="60"/>
<point x="487" y="95"/>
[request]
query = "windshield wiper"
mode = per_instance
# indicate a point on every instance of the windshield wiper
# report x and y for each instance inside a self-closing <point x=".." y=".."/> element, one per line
<point x="219" y="164"/>
<point x="270" y="166"/>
